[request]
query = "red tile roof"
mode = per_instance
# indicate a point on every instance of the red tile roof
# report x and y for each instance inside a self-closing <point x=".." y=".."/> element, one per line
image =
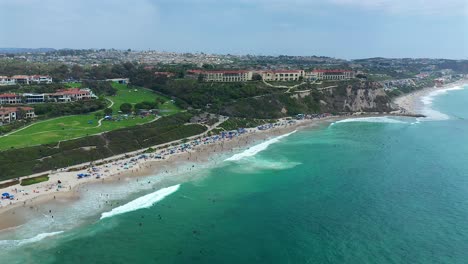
<point x="10" y="95"/>
<point x="72" y="91"/>
<point x="194" y="71"/>
<point x="331" y="71"/>
<point x="8" y="110"/>
<point x="20" y="77"/>
<point x="228" y="72"/>
<point x="217" y="71"/>
<point x="287" y="71"/>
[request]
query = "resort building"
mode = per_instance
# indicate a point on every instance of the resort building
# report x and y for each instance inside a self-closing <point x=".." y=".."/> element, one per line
<point x="21" y="79"/>
<point x="272" y="75"/>
<point x="283" y="75"/>
<point x="39" y="79"/>
<point x="226" y="76"/>
<point x="10" y="98"/>
<point x="25" y="79"/>
<point x="31" y="98"/>
<point x="5" y="80"/>
<point x="70" y="95"/>
<point x="10" y="114"/>
<point x="330" y="75"/>
<point x="61" y="96"/>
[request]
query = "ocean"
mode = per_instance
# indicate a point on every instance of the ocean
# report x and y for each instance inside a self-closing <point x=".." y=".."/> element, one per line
<point x="368" y="190"/>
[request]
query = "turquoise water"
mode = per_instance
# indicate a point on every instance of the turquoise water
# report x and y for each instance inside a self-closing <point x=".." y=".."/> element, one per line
<point x="381" y="191"/>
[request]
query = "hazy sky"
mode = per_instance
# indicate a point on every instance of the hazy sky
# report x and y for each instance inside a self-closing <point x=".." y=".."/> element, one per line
<point x="337" y="28"/>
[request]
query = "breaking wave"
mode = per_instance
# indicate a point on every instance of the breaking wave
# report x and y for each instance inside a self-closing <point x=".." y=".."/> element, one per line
<point x="257" y="148"/>
<point x="258" y="166"/>
<point x="427" y="101"/>
<point x="374" y="119"/>
<point x="142" y="202"/>
<point x="21" y="242"/>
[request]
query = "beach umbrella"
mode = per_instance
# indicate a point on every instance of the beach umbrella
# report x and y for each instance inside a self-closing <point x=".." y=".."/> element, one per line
<point x="5" y="194"/>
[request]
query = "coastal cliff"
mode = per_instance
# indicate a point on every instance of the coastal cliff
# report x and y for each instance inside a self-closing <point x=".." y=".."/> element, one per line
<point x="361" y="97"/>
<point x="347" y="97"/>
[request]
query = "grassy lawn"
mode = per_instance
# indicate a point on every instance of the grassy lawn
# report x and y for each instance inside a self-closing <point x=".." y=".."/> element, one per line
<point x="69" y="127"/>
<point x="73" y="85"/>
<point x="134" y="95"/>
<point x="34" y="180"/>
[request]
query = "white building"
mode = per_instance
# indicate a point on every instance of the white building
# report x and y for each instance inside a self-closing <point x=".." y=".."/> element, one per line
<point x="330" y="75"/>
<point x="25" y="79"/>
<point x="32" y="98"/>
<point x="283" y="75"/>
<point x="227" y="76"/>
<point x="10" y="114"/>
<point x="39" y="79"/>
<point x="10" y="98"/>
<point x="5" y="80"/>
<point x="71" y="95"/>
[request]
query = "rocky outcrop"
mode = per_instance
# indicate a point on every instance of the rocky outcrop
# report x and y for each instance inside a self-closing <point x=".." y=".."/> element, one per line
<point x="360" y="97"/>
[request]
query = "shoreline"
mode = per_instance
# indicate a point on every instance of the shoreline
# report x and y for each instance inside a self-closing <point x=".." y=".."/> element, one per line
<point x="412" y="102"/>
<point x="32" y="197"/>
<point x="63" y="185"/>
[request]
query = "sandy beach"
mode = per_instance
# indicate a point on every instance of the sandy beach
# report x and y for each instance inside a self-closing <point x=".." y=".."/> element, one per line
<point x="65" y="185"/>
<point x="412" y="102"/>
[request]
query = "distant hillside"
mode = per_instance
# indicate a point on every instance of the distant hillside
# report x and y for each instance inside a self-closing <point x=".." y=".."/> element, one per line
<point x="24" y="50"/>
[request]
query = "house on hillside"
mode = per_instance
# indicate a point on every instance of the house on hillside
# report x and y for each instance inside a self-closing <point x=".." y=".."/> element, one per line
<point x="21" y="79"/>
<point x="11" y="114"/>
<point x="40" y="79"/>
<point x="33" y="98"/>
<point x="25" y="79"/>
<point x="5" y="80"/>
<point x="10" y="98"/>
<point x="71" y="95"/>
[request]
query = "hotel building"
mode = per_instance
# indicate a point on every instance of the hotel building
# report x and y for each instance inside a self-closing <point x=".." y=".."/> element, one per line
<point x="330" y="75"/>
<point x="226" y="76"/>
<point x="283" y="75"/>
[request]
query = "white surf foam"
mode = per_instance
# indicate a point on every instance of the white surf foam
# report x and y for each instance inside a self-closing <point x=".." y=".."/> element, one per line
<point x="258" y="166"/>
<point x="257" y="148"/>
<point x="37" y="238"/>
<point x="431" y="114"/>
<point x="142" y="202"/>
<point x="374" y="119"/>
<point x="21" y="242"/>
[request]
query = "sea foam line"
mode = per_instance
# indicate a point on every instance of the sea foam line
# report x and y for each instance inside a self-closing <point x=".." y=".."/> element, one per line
<point x="257" y="148"/>
<point x="21" y="242"/>
<point x="372" y="119"/>
<point x="428" y="99"/>
<point x="142" y="202"/>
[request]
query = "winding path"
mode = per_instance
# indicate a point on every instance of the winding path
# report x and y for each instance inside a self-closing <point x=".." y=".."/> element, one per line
<point x="100" y="120"/>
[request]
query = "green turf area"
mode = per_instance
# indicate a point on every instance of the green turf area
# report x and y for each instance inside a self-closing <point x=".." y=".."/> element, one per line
<point x="73" y="85"/>
<point x="69" y="127"/>
<point x="34" y="180"/>
<point x="64" y="128"/>
<point x="134" y="95"/>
